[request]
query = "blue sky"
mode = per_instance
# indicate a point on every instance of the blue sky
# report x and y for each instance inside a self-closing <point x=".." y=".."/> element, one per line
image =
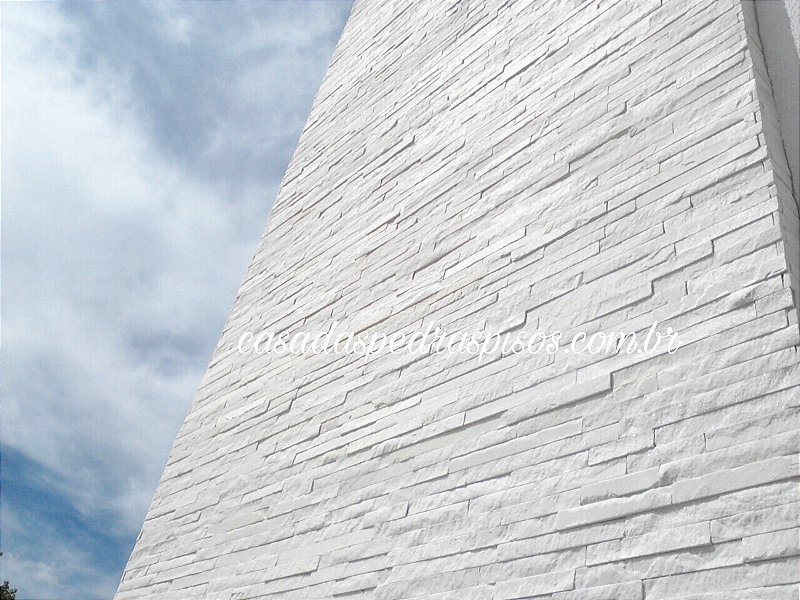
<point x="142" y="147"/>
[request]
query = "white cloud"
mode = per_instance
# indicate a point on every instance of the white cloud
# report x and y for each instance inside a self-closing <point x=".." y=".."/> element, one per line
<point x="105" y="239"/>
<point x="120" y="263"/>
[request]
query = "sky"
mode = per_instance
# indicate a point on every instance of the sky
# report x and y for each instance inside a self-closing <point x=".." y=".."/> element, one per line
<point x="142" y="148"/>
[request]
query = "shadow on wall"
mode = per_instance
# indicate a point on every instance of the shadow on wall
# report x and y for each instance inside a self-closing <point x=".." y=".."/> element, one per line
<point x="779" y="30"/>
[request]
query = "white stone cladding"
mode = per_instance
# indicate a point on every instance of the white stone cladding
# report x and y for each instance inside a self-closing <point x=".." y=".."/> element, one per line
<point x="768" y="29"/>
<point x="504" y="165"/>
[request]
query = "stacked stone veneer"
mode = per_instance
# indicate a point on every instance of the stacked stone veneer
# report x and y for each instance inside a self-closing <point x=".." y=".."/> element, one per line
<point x="505" y="165"/>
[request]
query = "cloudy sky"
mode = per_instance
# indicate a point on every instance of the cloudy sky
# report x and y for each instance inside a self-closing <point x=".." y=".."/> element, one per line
<point x="142" y="147"/>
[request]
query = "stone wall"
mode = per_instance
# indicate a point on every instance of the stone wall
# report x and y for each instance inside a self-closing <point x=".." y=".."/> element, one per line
<point x="506" y="166"/>
<point x="777" y="69"/>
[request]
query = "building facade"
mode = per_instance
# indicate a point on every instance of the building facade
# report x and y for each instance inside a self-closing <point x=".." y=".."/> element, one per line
<point x="506" y="167"/>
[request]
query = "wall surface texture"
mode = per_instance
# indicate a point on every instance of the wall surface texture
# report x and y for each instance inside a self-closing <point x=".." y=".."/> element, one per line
<point x="506" y="166"/>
